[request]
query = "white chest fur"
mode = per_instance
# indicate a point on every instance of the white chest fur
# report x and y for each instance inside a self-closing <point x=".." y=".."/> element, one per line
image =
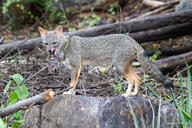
<point x="66" y="63"/>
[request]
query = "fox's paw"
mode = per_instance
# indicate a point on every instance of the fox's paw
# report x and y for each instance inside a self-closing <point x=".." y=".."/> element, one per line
<point x="70" y="92"/>
<point x="125" y="94"/>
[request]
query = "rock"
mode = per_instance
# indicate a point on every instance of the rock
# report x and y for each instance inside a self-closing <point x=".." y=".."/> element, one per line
<point x="73" y="111"/>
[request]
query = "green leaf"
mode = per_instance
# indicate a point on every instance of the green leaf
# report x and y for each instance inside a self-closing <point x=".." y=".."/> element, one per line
<point x="18" y="115"/>
<point x="150" y="89"/>
<point x="182" y="101"/>
<point x="133" y="114"/>
<point x="155" y="56"/>
<point x="13" y="96"/>
<point x="185" y="114"/>
<point x="16" y="124"/>
<point x="11" y="117"/>
<point x="181" y="117"/>
<point x="17" y="78"/>
<point x="7" y="87"/>
<point x="2" y="105"/>
<point x="2" y="124"/>
<point x="22" y="92"/>
<point x="188" y="109"/>
<point x="147" y="76"/>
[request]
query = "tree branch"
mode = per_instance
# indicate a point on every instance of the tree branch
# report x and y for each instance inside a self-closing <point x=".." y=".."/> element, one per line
<point x="24" y="104"/>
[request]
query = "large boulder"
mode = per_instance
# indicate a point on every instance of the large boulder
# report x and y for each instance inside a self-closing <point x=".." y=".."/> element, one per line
<point x="72" y="111"/>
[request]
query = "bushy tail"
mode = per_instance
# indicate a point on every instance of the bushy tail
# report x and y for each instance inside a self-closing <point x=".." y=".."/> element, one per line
<point x="152" y="69"/>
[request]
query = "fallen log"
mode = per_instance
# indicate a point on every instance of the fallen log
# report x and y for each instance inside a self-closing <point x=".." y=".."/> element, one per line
<point x="175" y="51"/>
<point x="12" y="47"/>
<point x="169" y="51"/>
<point x="163" y="32"/>
<point x="24" y="104"/>
<point x="141" y="29"/>
<point x="172" y="62"/>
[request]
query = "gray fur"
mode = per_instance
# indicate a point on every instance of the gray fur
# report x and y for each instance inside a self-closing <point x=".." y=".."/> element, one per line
<point x="118" y="50"/>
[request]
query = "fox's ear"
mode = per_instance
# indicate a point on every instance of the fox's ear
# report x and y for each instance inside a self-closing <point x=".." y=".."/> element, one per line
<point x="42" y="31"/>
<point x="59" y="30"/>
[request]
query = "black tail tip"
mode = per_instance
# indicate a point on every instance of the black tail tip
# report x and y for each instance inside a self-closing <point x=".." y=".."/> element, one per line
<point x="170" y="84"/>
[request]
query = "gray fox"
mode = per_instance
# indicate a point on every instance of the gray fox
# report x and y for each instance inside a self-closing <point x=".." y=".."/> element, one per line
<point x="117" y="50"/>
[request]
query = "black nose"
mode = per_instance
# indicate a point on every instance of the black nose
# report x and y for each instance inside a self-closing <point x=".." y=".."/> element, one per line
<point x="49" y="51"/>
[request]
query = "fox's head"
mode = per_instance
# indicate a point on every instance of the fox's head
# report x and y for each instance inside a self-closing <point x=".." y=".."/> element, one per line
<point x="52" y="40"/>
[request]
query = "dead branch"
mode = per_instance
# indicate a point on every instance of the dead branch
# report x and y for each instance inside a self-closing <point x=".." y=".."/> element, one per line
<point x="24" y="104"/>
<point x="2" y="39"/>
<point x="153" y="3"/>
<point x="161" y="8"/>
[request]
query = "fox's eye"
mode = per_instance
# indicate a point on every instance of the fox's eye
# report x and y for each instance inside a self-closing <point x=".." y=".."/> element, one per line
<point x="46" y="43"/>
<point x="54" y="43"/>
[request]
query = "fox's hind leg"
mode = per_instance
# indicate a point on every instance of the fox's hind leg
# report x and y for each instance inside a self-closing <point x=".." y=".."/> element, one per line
<point x="126" y="72"/>
<point x="137" y="80"/>
<point x="75" y="76"/>
<point x="130" y="86"/>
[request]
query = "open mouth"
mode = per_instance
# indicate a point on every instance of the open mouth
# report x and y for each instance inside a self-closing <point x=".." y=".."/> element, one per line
<point x="52" y="54"/>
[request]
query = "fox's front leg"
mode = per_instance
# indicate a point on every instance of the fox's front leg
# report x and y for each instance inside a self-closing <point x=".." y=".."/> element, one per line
<point x="75" y="76"/>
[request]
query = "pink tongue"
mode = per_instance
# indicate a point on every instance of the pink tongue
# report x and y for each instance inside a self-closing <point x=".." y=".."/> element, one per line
<point x="54" y="50"/>
<point x="52" y="57"/>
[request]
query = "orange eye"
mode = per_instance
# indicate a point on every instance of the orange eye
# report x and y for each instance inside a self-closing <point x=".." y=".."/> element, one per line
<point x="46" y="43"/>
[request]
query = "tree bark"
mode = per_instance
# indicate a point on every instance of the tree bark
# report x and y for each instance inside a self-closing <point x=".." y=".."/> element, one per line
<point x="24" y="104"/>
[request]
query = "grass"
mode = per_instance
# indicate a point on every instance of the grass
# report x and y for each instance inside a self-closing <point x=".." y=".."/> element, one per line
<point x="183" y="105"/>
<point x="133" y="114"/>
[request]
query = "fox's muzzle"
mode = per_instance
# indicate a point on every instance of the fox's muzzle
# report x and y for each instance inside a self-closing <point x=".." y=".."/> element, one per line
<point x="49" y="51"/>
<point x="52" y="53"/>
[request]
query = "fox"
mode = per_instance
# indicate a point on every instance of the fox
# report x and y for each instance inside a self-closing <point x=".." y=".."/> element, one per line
<point x="118" y="50"/>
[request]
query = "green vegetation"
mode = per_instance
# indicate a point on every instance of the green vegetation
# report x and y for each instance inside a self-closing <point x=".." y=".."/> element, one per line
<point x="184" y="107"/>
<point x="20" y="11"/>
<point x="133" y="114"/>
<point x="118" y="87"/>
<point x="155" y="56"/>
<point x="112" y="8"/>
<point x="19" y="92"/>
<point x="90" y="21"/>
